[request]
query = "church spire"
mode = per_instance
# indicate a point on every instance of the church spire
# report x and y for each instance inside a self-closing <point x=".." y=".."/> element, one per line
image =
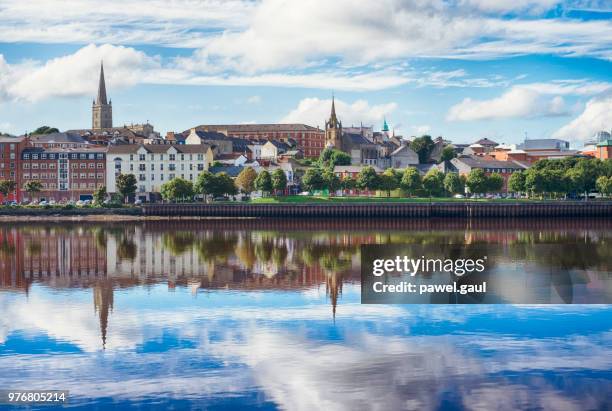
<point x="333" y="110"/>
<point x="101" y="99"/>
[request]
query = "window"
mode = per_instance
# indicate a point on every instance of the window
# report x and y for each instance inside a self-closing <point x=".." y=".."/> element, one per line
<point x="131" y="167"/>
<point x="161" y="166"/>
<point x="43" y="156"/>
<point x="100" y="156"/>
<point x="91" y="156"/>
<point x="35" y="165"/>
<point x="100" y="175"/>
<point x="152" y="156"/>
<point x="182" y="156"/>
<point x="200" y="167"/>
<point x="172" y="157"/>
<point x="83" y="176"/>
<point x="152" y="177"/>
<point x="73" y="156"/>
<point x="141" y="177"/>
<point x="92" y="175"/>
<point x="171" y="167"/>
<point x="141" y="167"/>
<point x="131" y="157"/>
<point x="34" y="156"/>
<point x="73" y="165"/>
<point x="26" y="156"/>
<point x="83" y="156"/>
<point x="43" y="165"/>
<point x="25" y="165"/>
<point x="171" y="176"/>
<point x="51" y="156"/>
<point x="92" y="165"/>
<point x="152" y="167"/>
<point x="83" y="165"/>
<point x="100" y="165"/>
<point x="141" y="157"/>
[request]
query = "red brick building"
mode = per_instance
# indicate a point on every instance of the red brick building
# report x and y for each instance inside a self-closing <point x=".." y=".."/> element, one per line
<point x="10" y="160"/>
<point x="309" y="140"/>
<point x="65" y="173"/>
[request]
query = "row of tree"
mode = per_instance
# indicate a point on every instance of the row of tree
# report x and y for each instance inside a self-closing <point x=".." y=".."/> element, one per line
<point x="434" y="183"/>
<point x="560" y="178"/>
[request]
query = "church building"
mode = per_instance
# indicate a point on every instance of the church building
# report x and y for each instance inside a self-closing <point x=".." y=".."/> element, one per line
<point x="102" y="110"/>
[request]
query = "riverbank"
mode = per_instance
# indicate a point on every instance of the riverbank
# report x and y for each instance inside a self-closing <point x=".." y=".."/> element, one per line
<point x="382" y="209"/>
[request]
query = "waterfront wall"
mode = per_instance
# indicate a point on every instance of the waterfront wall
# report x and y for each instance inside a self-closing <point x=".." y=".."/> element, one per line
<point x="596" y="209"/>
<point x="70" y="212"/>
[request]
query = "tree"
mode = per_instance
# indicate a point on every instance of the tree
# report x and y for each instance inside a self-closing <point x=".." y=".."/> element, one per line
<point x="477" y="181"/>
<point x="331" y="181"/>
<point x="433" y="182"/>
<point x="448" y="153"/>
<point x="100" y="195"/>
<point x="45" y="130"/>
<point x="516" y="183"/>
<point x="263" y="182"/>
<point x="348" y="183"/>
<point x="389" y="181"/>
<point x="453" y="183"/>
<point x="534" y="181"/>
<point x="367" y="179"/>
<point x="604" y="185"/>
<point x="246" y="180"/>
<point x="206" y="184"/>
<point x="177" y="189"/>
<point x="126" y="185"/>
<point x="411" y="181"/>
<point x="423" y="146"/>
<point x="225" y="184"/>
<point x="331" y="157"/>
<point x="279" y="180"/>
<point x="495" y="183"/>
<point x="313" y="179"/>
<point x="32" y="187"/>
<point x="7" y="187"/>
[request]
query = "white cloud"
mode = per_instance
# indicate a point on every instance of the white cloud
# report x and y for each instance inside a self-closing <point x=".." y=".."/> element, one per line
<point x="517" y="102"/>
<point x="249" y="36"/>
<point x="422" y="129"/>
<point x="597" y="116"/>
<point x="75" y="74"/>
<point x="314" y="111"/>
<point x="254" y="100"/>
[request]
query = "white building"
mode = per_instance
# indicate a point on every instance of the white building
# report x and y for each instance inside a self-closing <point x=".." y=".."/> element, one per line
<point x="156" y="164"/>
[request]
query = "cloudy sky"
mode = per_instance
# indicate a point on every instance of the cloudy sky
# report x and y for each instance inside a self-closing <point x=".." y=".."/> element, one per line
<point x="463" y="69"/>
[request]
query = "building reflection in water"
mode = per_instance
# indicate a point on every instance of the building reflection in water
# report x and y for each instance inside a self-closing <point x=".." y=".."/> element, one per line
<point x="248" y="255"/>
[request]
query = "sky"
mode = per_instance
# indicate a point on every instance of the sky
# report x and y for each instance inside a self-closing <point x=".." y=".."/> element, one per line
<point x="463" y="69"/>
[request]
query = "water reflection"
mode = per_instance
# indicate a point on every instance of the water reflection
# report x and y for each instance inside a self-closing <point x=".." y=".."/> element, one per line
<point x="218" y="314"/>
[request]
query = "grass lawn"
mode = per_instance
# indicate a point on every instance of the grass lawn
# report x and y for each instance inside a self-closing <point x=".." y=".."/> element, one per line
<point x="335" y="200"/>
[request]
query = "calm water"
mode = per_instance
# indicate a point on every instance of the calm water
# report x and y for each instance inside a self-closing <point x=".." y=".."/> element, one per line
<point x="259" y="314"/>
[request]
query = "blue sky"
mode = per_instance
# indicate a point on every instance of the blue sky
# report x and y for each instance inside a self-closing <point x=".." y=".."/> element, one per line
<point x="463" y="69"/>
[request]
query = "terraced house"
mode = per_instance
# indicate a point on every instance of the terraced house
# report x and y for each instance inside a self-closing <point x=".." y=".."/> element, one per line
<point x="155" y="164"/>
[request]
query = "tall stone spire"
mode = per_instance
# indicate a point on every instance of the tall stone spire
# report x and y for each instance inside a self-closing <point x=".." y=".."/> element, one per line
<point x="102" y="109"/>
<point x="333" y="129"/>
<point x="101" y="99"/>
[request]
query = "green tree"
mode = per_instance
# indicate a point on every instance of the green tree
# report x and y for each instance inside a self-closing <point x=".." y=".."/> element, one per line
<point x="433" y="182"/>
<point x="411" y="181"/>
<point x="32" y="187"/>
<point x="495" y="183"/>
<point x="126" y="185"/>
<point x="7" y="187"/>
<point x="177" y="189"/>
<point x="516" y="183"/>
<point x="578" y="180"/>
<point x="331" y="181"/>
<point x="100" y="195"/>
<point x="225" y="184"/>
<point x="423" y="146"/>
<point x="448" y="153"/>
<point x="206" y="184"/>
<point x="263" y="182"/>
<point x="279" y="180"/>
<point x="45" y="130"/>
<point x="331" y="157"/>
<point x="367" y="179"/>
<point x="313" y="179"/>
<point x="246" y="180"/>
<point x="348" y="183"/>
<point x="389" y="181"/>
<point x="477" y="181"/>
<point x="453" y="183"/>
<point x="604" y="185"/>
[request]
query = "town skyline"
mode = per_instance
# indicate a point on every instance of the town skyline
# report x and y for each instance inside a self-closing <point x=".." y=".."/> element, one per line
<point x="230" y="68"/>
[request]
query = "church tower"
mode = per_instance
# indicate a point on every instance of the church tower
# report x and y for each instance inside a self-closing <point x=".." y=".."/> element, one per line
<point x="333" y="129"/>
<point x="102" y="110"/>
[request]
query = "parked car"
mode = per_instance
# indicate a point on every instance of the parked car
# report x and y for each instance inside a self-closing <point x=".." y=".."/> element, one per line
<point x="52" y="202"/>
<point x="80" y="203"/>
<point x="43" y="203"/>
<point x="138" y="202"/>
<point x="458" y="196"/>
<point x="304" y="193"/>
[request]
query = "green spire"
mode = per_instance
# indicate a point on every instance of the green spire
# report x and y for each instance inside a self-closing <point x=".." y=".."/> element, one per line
<point x="385" y="125"/>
